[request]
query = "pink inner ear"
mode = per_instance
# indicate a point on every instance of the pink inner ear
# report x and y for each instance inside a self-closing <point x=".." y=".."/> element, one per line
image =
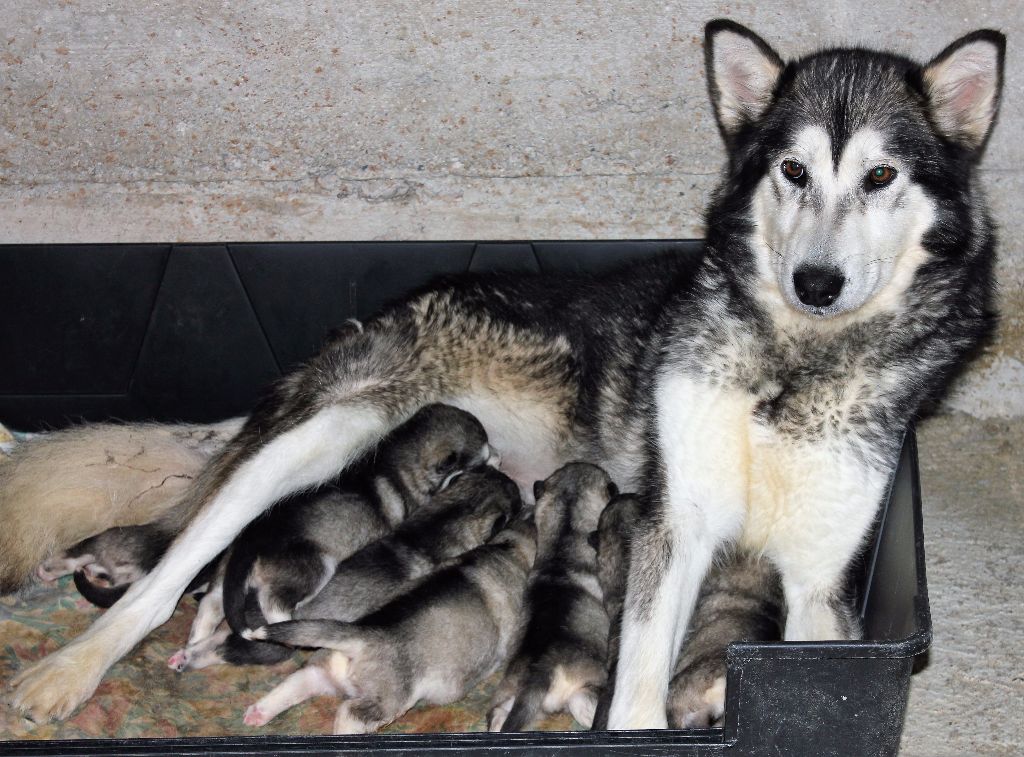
<point x="743" y="82"/>
<point x="969" y="85"/>
<point x="969" y="93"/>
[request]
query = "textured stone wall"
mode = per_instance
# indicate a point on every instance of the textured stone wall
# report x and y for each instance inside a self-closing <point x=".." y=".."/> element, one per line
<point x="202" y="121"/>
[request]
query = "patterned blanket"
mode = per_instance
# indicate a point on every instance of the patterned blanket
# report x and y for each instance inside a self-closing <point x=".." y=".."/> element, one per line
<point x="142" y="697"/>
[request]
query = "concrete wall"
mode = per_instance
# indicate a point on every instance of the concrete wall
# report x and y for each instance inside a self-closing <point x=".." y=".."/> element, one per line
<point x="189" y="121"/>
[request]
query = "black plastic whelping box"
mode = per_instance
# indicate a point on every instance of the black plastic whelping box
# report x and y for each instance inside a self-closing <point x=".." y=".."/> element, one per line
<point x="194" y="332"/>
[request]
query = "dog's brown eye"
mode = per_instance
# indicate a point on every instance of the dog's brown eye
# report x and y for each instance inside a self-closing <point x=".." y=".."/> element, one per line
<point x="880" y="175"/>
<point x="794" y="171"/>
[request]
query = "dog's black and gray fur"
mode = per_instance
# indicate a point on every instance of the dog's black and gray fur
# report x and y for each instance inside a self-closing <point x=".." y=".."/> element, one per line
<point x="433" y="643"/>
<point x="755" y="395"/>
<point x="561" y="662"/>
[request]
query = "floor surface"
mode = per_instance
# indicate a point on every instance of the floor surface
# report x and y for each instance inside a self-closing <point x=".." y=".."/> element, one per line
<point x="969" y="699"/>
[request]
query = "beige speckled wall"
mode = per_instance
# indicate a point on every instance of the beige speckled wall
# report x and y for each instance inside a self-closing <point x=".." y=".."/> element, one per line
<point x="204" y="121"/>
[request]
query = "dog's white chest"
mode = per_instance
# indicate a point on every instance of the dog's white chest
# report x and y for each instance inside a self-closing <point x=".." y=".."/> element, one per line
<point x="726" y="463"/>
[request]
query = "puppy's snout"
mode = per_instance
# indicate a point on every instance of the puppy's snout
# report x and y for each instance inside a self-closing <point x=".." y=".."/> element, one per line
<point x="818" y="286"/>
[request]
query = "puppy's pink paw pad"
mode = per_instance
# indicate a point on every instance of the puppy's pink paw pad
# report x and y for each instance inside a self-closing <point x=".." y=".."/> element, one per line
<point x="178" y="660"/>
<point x="255" y="716"/>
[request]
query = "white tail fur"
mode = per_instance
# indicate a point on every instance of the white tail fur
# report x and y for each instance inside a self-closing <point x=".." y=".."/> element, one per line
<point x="59" y="488"/>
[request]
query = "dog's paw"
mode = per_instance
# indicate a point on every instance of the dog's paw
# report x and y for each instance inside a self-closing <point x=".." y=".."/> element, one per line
<point x="54" y="687"/>
<point x="499" y="714"/>
<point x="254" y="634"/>
<point x="696" y="702"/>
<point x="254" y="716"/>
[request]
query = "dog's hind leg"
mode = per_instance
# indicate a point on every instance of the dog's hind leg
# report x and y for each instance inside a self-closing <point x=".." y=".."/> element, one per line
<point x="321" y="420"/>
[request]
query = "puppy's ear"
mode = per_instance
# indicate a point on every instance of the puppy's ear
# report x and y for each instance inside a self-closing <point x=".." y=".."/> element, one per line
<point x="963" y="84"/>
<point x="743" y="71"/>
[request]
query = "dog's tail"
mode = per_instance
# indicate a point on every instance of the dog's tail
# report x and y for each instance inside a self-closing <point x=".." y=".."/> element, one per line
<point x="527" y="708"/>
<point x="59" y="488"/>
<point x="348" y="641"/>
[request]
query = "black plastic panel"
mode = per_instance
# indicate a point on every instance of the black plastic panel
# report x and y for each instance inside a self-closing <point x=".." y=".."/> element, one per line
<point x="72" y="322"/>
<point x="599" y="257"/>
<point x="205" y="356"/>
<point x="515" y="258"/>
<point x="299" y="291"/>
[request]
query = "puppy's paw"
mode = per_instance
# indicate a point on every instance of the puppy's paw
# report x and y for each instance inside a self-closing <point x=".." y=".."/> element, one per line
<point x="254" y="716"/>
<point x="696" y="701"/>
<point x="178" y="661"/>
<point x="48" y="573"/>
<point x="254" y="634"/>
<point x="54" y="687"/>
<point x="51" y="569"/>
<point x="499" y="714"/>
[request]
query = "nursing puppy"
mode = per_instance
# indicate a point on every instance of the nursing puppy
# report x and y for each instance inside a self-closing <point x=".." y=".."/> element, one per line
<point x="285" y="558"/>
<point x="469" y="511"/>
<point x="459" y="518"/>
<point x="60" y="488"/>
<point x="612" y="540"/>
<point x="560" y="663"/>
<point x="741" y="600"/>
<point x="433" y="643"/>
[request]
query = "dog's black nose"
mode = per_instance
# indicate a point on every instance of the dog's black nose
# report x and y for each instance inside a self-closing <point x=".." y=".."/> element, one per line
<point x="817" y="286"/>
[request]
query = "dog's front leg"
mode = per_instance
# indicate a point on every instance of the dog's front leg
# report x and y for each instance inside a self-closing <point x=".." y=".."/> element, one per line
<point x="698" y="503"/>
<point x="828" y="500"/>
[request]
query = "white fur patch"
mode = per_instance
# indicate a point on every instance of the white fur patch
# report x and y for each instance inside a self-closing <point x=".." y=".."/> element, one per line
<point x="522" y="432"/>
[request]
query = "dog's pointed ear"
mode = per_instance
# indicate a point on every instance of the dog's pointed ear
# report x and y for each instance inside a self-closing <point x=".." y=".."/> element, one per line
<point x="742" y="72"/>
<point x="963" y="84"/>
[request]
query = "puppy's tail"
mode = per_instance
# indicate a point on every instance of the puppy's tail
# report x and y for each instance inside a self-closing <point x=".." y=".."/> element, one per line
<point x="101" y="596"/>
<point x="241" y="606"/>
<point x="529" y="701"/>
<point x="347" y="638"/>
<point x="62" y="487"/>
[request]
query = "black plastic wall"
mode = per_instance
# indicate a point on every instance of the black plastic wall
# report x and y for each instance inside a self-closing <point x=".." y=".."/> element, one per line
<point x="195" y="332"/>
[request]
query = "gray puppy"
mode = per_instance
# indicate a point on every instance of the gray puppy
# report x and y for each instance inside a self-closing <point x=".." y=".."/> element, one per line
<point x="433" y="643"/>
<point x="612" y="540"/>
<point x="560" y="663"/>
<point x="740" y="600"/>
<point x="470" y="510"/>
<point x="285" y="558"/>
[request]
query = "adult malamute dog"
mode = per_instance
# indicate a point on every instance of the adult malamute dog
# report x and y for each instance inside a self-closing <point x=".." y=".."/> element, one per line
<point x="756" y="396"/>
